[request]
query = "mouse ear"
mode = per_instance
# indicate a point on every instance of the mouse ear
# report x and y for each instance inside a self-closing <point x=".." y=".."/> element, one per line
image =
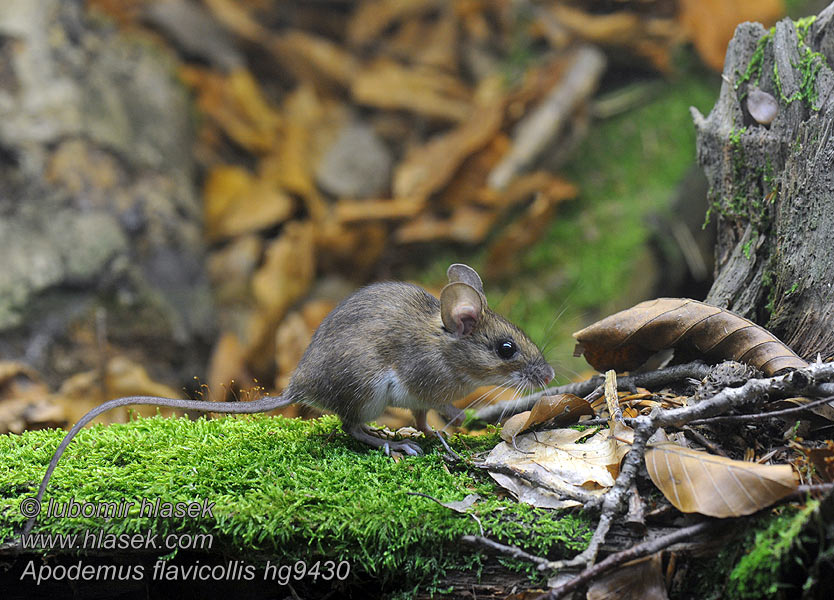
<point x="461" y="307"/>
<point x="468" y="275"/>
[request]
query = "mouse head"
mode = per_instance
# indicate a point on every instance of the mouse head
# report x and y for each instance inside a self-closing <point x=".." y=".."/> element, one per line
<point x="484" y="347"/>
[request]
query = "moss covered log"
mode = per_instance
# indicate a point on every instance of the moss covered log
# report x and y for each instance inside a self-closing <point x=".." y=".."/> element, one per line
<point x="280" y="490"/>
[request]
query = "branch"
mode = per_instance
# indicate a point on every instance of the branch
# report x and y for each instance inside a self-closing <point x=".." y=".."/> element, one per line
<point x="762" y="415"/>
<point x="560" y="488"/>
<point x="799" y="381"/>
<point x="512" y="551"/>
<point x="660" y="377"/>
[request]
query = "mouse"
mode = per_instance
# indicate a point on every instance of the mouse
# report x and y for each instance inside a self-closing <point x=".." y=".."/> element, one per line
<point x="389" y="344"/>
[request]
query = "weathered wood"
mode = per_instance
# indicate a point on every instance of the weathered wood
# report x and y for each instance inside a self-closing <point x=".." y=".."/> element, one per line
<point x="771" y="187"/>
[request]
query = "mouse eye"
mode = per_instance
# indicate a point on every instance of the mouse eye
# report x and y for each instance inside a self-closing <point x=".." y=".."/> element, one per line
<point x="506" y="349"/>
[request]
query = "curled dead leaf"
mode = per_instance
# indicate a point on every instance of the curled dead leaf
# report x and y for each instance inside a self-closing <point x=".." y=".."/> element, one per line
<point x="562" y="409"/>
<point x="695" y="481"/>
<point x="236" y="203"/>
<point x="625" y="340"/>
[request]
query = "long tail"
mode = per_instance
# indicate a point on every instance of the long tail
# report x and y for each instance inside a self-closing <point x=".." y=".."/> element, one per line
<point x="264" y="404"/>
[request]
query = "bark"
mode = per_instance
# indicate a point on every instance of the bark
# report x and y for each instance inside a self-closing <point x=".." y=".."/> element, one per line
<point x="771" y="186"/>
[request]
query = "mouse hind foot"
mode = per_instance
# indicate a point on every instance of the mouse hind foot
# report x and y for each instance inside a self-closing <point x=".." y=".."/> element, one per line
<point x="363" y="433"/>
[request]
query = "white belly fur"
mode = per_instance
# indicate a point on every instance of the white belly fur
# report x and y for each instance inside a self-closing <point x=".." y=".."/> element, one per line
<point x="388" y="390"/>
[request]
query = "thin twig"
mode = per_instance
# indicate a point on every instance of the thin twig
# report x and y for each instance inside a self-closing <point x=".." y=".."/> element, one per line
<point x="613" y="499"/>
<point x="512" y="551"/>
<point x="762" y="415"/>
<point x="651" y="379"/>
<point x="562" y="489"/>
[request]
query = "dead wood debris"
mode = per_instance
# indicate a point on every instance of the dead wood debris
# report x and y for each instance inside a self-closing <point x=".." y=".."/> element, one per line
<point x="704" y="410"/>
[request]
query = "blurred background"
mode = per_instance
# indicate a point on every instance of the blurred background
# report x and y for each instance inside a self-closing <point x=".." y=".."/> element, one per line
<point x="187" y="187"/>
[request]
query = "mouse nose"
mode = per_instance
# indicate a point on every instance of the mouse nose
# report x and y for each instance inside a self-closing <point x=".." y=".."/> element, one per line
<point x="549" y="373"/>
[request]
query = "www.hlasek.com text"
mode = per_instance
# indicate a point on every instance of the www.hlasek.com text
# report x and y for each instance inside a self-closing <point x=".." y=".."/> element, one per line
<point x="99" y="539"/>
<point x="233" y="570"/>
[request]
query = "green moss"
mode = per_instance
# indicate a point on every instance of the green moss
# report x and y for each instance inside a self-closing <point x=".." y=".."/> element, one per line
<point x="753" y="73"/>
<point x="283" y="489"/>
<point x="756" y="575"/>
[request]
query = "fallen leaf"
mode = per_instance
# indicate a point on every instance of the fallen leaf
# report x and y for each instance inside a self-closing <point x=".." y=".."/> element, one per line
<point x="283" y="279"/>
<point x="563" y="409"/>
<point x="429" y="167"/>
<point x="350" y="211"/>
<point x="122" y="377"/>
<point x="372" y="17"/>
<point x="711" y="23"/>
<point x="715" y="486"/>
<point x="237" y="203"/>
<point x="462" y="506"/>
<point x="640" y="579"/>
<point x="314" y="58"/>
<point x="422" y="90"/>
<point x="287" y="272"/>
<point x="235" y="102"/>
<point x="625" y="340"/>
<point x="555" y="458"/>
<point x="227" y="368"/>
<point x="25" y="401"/>
<point x="823" y="461"/>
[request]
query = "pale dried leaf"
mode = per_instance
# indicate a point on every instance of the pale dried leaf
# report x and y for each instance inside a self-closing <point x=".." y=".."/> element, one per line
<point x="695" y="481"/>
<point x="462" y="506"/>
<point x="372" y="17"/>
<point x="429" y="167"/>
<point x="237" y="203"/>
<point x="425" y="91"/>
<point x="555" y="458"/>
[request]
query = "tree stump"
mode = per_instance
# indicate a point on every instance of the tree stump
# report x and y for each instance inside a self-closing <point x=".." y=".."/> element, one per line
<point x="772" y="185"/>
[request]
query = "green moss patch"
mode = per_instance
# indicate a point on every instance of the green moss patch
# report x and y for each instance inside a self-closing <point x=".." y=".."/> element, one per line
<point x="282" y="489"/>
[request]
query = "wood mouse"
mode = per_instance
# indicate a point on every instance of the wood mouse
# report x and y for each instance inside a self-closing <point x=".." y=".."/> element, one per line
<point x="389" y="344"/>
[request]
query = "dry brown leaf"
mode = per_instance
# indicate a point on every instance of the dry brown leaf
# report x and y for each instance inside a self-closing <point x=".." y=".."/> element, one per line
<point x="625" y="340"/>
<point x="562" y="409"/>
<point x="711" y="23"/>
<point x="283" y="279"/>
<point x="227" y="368"/>
<point x="236" y="203"/>
<point x="652" y="38"/>
<point x="123" y="377"/>
<point x="640" y="579"/>
<point x="351" y="211"/>
<point x="468" y="224"/>
<point x="425" y="91"/>
<point x="313" y="58"/>
<point x="429" y="167"/>
<point x="823" y="461"/>
<point x="25" y="401"/>
<point x="520" y="234"/>
<point x="235" y="102"/>
<point x="373" y="16"/>
<point x="233" y="15"/>
<point x="287" y="272"/>
<point x="715" y="486"/>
